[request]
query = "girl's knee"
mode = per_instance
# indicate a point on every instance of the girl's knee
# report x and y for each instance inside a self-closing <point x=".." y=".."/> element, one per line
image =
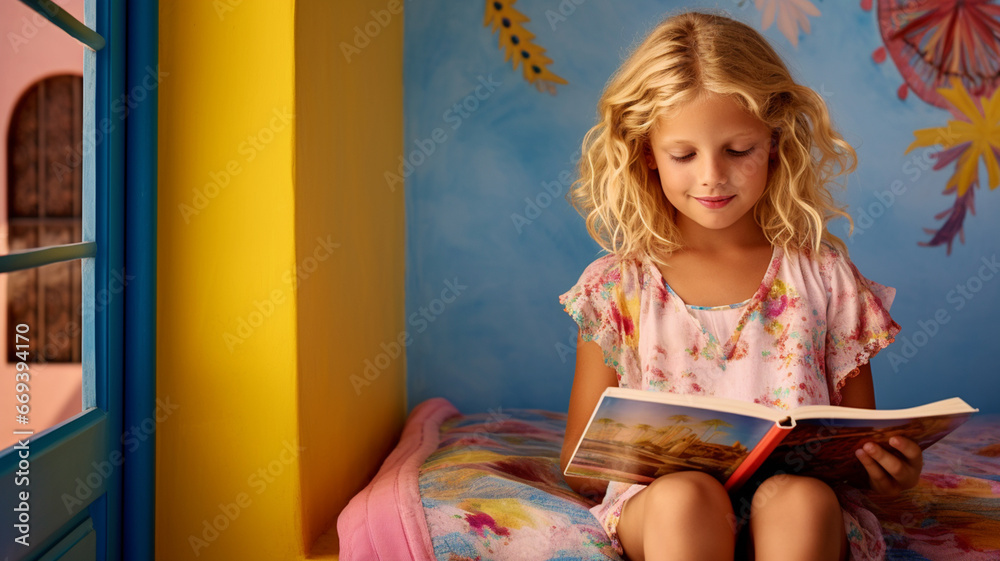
<point x="693" y="489"/>
<point x="689" y="508"/>
<point x="795" y="495"/>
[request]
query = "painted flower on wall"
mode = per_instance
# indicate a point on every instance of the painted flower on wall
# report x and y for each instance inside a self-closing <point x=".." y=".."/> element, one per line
<point x="947" y="53"/>
<point x="973" y="136"/>
<point x="791" y="16"/>
<point x="931" y="41"/>
<point x="518" y="44"/>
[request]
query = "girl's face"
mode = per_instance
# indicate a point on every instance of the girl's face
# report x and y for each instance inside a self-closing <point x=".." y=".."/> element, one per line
<point x="712" y="160"/>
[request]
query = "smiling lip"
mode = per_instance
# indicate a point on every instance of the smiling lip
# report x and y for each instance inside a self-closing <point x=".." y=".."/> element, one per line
<point x="715" y="202"/>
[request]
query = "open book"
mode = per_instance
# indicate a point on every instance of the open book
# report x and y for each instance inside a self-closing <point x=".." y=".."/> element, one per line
<point x="636" y="436"/>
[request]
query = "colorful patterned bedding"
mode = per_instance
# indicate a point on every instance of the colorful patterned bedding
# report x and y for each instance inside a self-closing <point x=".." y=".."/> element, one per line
<point x="489" y="487"/>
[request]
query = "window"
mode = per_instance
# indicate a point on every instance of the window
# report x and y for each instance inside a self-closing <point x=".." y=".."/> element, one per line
<point x="110" y="514"/>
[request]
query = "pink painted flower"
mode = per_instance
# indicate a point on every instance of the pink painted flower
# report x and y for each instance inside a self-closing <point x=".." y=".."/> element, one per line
<point x="791" y="15"/>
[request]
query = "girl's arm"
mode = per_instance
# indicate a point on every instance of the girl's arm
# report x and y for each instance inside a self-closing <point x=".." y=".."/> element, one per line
<point x="888" y="474"/>
<point x="859" y="390"/>
<point x="591" y="379"/>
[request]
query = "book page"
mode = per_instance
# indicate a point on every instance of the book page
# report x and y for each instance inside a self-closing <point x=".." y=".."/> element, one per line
<point x="700" y="401"/>
<point x="639" y="441"/>
<point x="943" y="407"/>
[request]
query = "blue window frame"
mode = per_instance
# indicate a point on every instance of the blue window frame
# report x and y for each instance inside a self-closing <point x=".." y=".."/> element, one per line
<point x="89" y="497"/>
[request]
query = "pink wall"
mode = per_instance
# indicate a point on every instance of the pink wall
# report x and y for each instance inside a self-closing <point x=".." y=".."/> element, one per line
<point x="32" y="49"/>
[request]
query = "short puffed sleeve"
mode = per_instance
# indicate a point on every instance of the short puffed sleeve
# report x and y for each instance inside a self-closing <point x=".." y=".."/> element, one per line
<point x="858" y="320"/>
<point x="604" y="314"/>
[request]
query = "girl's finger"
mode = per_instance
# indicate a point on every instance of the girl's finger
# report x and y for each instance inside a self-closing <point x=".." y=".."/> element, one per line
<point x="909" y="448"/>
<point x="879" y="479"/>
<point x="890" y="462"/>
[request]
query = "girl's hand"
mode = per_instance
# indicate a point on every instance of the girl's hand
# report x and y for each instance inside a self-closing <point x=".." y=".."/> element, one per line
<point x="888" y="474"/>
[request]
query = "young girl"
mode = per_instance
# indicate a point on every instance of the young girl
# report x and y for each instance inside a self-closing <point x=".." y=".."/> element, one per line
<point x="706" y="178"/>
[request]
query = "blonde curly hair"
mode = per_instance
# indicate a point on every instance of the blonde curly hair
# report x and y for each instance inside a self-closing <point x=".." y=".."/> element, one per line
<point x="685" y="55"/>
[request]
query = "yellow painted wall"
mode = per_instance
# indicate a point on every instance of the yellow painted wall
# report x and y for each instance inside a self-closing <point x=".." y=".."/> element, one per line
<point x="281" y="262"/>
<point x="349" y="132"/>
<point x="233" y="439"/>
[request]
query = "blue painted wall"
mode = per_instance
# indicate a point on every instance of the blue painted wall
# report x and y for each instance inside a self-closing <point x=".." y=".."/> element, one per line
<point x="482" y="292"/>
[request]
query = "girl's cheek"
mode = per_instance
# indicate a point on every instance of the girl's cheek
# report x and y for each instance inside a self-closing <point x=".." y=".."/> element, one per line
<point x="680" y="170"/>
<point x="750" y="167"/>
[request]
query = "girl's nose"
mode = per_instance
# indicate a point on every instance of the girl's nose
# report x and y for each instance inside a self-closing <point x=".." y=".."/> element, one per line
<point x="713" y="171"/>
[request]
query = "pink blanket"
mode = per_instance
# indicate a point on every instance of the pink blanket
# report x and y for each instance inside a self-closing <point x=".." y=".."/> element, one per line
<point x="386" y="519"/>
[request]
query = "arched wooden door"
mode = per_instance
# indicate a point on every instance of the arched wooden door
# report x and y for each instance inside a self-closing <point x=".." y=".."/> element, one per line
<point x="44" y="208"/>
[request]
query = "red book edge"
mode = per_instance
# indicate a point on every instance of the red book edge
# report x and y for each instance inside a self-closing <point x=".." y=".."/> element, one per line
<point x="759" y="453"/>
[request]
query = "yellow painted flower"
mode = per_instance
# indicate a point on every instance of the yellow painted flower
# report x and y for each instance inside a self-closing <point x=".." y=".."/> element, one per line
<point x="518" y="44"/>
<point x="977" y="136"/>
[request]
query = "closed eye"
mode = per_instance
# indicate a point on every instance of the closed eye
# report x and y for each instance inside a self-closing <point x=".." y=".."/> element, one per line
<point x="734" y="153"/>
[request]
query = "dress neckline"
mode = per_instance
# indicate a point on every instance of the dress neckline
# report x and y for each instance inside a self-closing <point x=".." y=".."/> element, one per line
<point x="753" y="303"/>
<point x="723" y="307"/>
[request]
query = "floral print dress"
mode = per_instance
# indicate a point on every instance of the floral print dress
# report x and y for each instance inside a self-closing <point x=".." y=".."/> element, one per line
<point x="812" y="322"/>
